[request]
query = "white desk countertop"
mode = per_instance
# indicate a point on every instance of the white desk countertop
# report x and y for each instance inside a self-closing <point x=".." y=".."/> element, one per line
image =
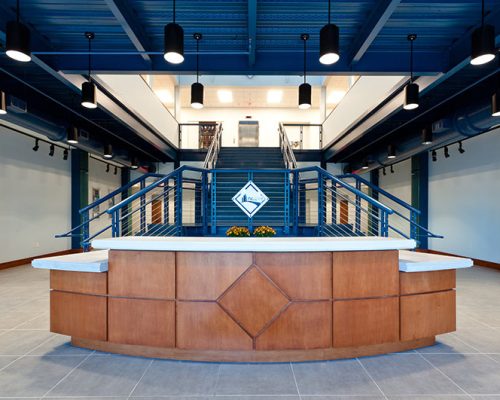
<point x="94" y="261"/>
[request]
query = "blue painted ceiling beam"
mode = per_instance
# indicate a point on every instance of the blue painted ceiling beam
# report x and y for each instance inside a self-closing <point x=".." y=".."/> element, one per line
<point x="252" y="31"/>
<point x="371" y="28"/>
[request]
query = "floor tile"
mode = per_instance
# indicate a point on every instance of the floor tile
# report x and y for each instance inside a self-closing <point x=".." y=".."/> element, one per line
<point x="34" y="376"/>
<point x="408" y="374"/>
<point x="175" y="378"/>
<point x="476" y="374"/>
<point x="343" y="397"/>
<point x="102" y="376"/>
<point x="256" y="379"/>
<point x="59" y="345"/>
<point x="448" y="343"/>
<point x="40" y="322"/>
<point x="431" y="397"/>
<point x="486" y="340"/>
<point x="343" y="377"/>
<point x="6" y="360"/>
<point x="21" y="342"/>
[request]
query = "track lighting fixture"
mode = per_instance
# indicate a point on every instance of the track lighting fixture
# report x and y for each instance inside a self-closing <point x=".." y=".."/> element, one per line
<point x="116" y="170"/>
<point x="461" y="148"/>
<point x="51" y="150"/>
<point x="107" y="168"/>
<point x="495" y="100"/>
<point x="446" y="152"/>
<point x="427" y="135"/>
<point x="17" y="40"/>
<point x="134" y="163"/>
<point x="197" y="87"/>
<point x="72" y="135"/>
<point x="366" y="165"/>
<point x="434" y="156"/>
<point x="411" y="90"/>
<point x="174" y="42"/>
<point x="392" y="168"/>
<point x="108" y="151"/>
<point x="383" y="172"/>
<point x="329" y="52"/>
<point x="482" y="42"/>
<point x="3" y="103"/>
<point x="36" y="147"/>
<point x="391" y="151"/>
<point x="65" y="154"/>
<point x="88" y="88"/>
<point x="305" y="88"/>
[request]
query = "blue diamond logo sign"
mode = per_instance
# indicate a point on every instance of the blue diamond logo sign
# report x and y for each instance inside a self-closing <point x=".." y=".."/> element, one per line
<point x="250" y="199"/>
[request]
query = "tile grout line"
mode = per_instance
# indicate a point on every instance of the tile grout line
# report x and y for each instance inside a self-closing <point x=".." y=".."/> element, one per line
<point x="476" y="320"/>
<point x="24" y="355"/>
<point x="22" y="323"/>
<point x="217" y="380"/>
<point x="442" y="373"/>
<point x="371" y="377"/>
<point x="68" y="374"/>
<point x="474" y="348"/>
<point x="140" y="379"/>
<point x="295" y="380"/>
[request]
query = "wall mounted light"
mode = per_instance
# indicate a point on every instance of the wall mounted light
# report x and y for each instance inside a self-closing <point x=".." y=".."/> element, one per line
<point x="411" y="89"/>
<point x="305" y="89"/>
<point x="51" y="150"/>
<point x="134" y="162"/>
<point x="107" y="167"/>
<point x="3" y="103"/>
<point x="17" y="40"/>
<point x="446" y="152"/>
<point x="174" y="42"/>
<point x="36" y="146"/>
<point x="88" y="88"/>
<point x="392" y="168"/>
<point x="197" y="87"/>
<point x="461" y="149"/>
<point x="383" y="172"/>
<point x="427" y="135"/>
<point x="65" y="154"/>
<point x="329" y="52"/>
<point x="391" y="151"/>
<point x="116" y="170"/>
<point x="482" y="42"/>
<point x="434" y="156"/>
<point x="108" y="151"/>
<point x="72" y="135"/>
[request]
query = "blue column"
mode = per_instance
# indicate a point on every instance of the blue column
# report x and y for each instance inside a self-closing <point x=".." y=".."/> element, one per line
<point x="79" y="192"/>
<point x="420" y="193"/>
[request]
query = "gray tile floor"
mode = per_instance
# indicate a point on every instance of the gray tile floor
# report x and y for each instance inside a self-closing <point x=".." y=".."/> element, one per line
<point x="37" y="364"/>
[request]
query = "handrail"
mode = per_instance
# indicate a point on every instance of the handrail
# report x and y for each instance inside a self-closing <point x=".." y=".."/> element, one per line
<point x="286" y="149"/>
<point x="213" y="150"/>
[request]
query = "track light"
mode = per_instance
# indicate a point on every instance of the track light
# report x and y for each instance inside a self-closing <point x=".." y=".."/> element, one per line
<point x="495" y="100"/>
<point x="51" y="150"/>
<point x="107" y="168"/>
<point x="65" y="154"/>
<point x="197" y="87"/>
<point x="88" y="88"/>
<point x="427" y="135"/>
<point x="116" y="170"/>
<point x="391" y="151"/>
<point x="36" y="147"/>
<point x="305" y="88"/>
<point x="17" y="41"/>
<point x="174" y="42"/>
<point x="482" y="42"/>
<point x="3" y="103"/>
<point x="411" y="90"/>
<point x="446" y="152"/>
<point x="108" y="151"/>
<point x="134" y="163"/>
<point x="329" y="52"/>
<point x="383" y="172"/>
<point x="72" y="135"/>
<point x="434" y="156"/>
<point x="461" y="149"/>
<point x="366" y="165"/>
<point x="392" y="168"/>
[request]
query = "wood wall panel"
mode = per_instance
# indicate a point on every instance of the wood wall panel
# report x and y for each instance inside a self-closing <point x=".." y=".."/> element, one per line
<point x="205" y="325"/>
<point x="141" y="322"/>
<point x="302" y="276"/>
<point x="430" y="314"/>
<point x="424" y="282"/>
<point x="365" y="322"/>
<point x="79" y="282"/>
<point x="142" y="274"/>
<point x="361" y="274"/>
<point x="205" y="276"/>
<point x="78" y="315"/>
<point x="304" y="325"/>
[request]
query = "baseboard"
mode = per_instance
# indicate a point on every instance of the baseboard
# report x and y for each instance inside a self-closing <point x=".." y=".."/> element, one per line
<point x="477" y="261"/>
<point x="23" y="261"/>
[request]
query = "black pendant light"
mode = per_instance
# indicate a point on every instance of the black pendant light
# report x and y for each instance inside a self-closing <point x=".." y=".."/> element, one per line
<point x="134" y="162"/>
<point x="427" y="135"/>
<point x="174" y="42"/>
<point x="329" y="52"/>
<point x="391" y="151"/>
<point x="88" y="88"/>
<point x="482" y="42"/>
<point x="495" y="100"/>
<point x="72" y="136"/>
<point x="17" y="41"/>
<point x="197" y="87"/>
<point x="411" y="90"/>
<point x="108" y="151"/>
<point x="3" y="103"/>
<point x="366" y="164"/>
<point x="305" y="88"/>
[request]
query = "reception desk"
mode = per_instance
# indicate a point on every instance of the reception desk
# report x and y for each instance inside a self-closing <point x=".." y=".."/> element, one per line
<point x="252" y="299"/>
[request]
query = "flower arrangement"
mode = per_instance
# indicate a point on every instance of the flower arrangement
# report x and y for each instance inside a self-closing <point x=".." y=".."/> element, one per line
<point x="264" y="231"/>
<point x="238" y="231"/>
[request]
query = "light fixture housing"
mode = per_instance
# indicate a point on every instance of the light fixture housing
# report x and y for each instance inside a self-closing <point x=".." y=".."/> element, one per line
<point x="391" y="151"/>
<point x="89" y="95"/>
<point x="365" y="164"/>
<point x="3" y="103"/>
<point x="36" y="146"/>
<point x="174" y="43"/>
<point x="427" y="135"/>
<point x="384" y="172"/>
<point x="51" y="150"/>
<point x="305" y="94"/>
<point x="461" y="149"/>
<point x="411" y="96"/>
<point x="134" y="162"/>
<point x="197" y="87"/>
<point x="495" y="100"/>
<point x="434" y="156"/>
<point x="18" y="41"/>
<point x="446" y="152"/>
<point x="108" y="151"/>
<point x="482" y="45"/>
<point x="65" y="154"/>
<point x="72" y="135"/>
<point x="329" y="49"/>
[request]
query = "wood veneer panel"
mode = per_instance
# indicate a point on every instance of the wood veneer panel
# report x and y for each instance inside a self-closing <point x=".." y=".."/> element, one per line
<point x="302" y="276"/>
<point x="361" y="274"/>
<point x="79" y="282"/>
<point x="205" y="325"/>
<point x="206" y="275"/>
<point x="424" y="282"/>
<point x="141" y="274"/>
<point x="306" y="325"/>
<point x="428" y="314"/>
<point x="141" y="322"/>
<point x="365" y="322"/>
<point x="78" y="315"/>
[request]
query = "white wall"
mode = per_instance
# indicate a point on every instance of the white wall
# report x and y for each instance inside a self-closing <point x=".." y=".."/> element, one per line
<point x="35" y="198"/>
<point x="464" y="193"/>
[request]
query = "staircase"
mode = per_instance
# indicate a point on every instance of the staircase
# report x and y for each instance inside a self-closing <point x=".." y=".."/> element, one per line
<point x="250" y="158"/>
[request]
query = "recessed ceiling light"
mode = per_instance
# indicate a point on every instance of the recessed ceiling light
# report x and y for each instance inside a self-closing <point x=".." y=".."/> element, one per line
<point x="336" y="96"/>
<point x="274" y="96"/>
<point x="225" y="96"/>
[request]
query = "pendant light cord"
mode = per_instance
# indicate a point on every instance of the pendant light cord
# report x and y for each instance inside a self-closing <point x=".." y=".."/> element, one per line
<point x="329" y="10"/>
<point x="305" y="60"/>
<point x="90" y="56"/>
<point x="197" y="59"/>
<point x="174" y="11"/>
<point x="411" y="61"/>
<point x="18" y="11"/>
<point x="482" y="13"/>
